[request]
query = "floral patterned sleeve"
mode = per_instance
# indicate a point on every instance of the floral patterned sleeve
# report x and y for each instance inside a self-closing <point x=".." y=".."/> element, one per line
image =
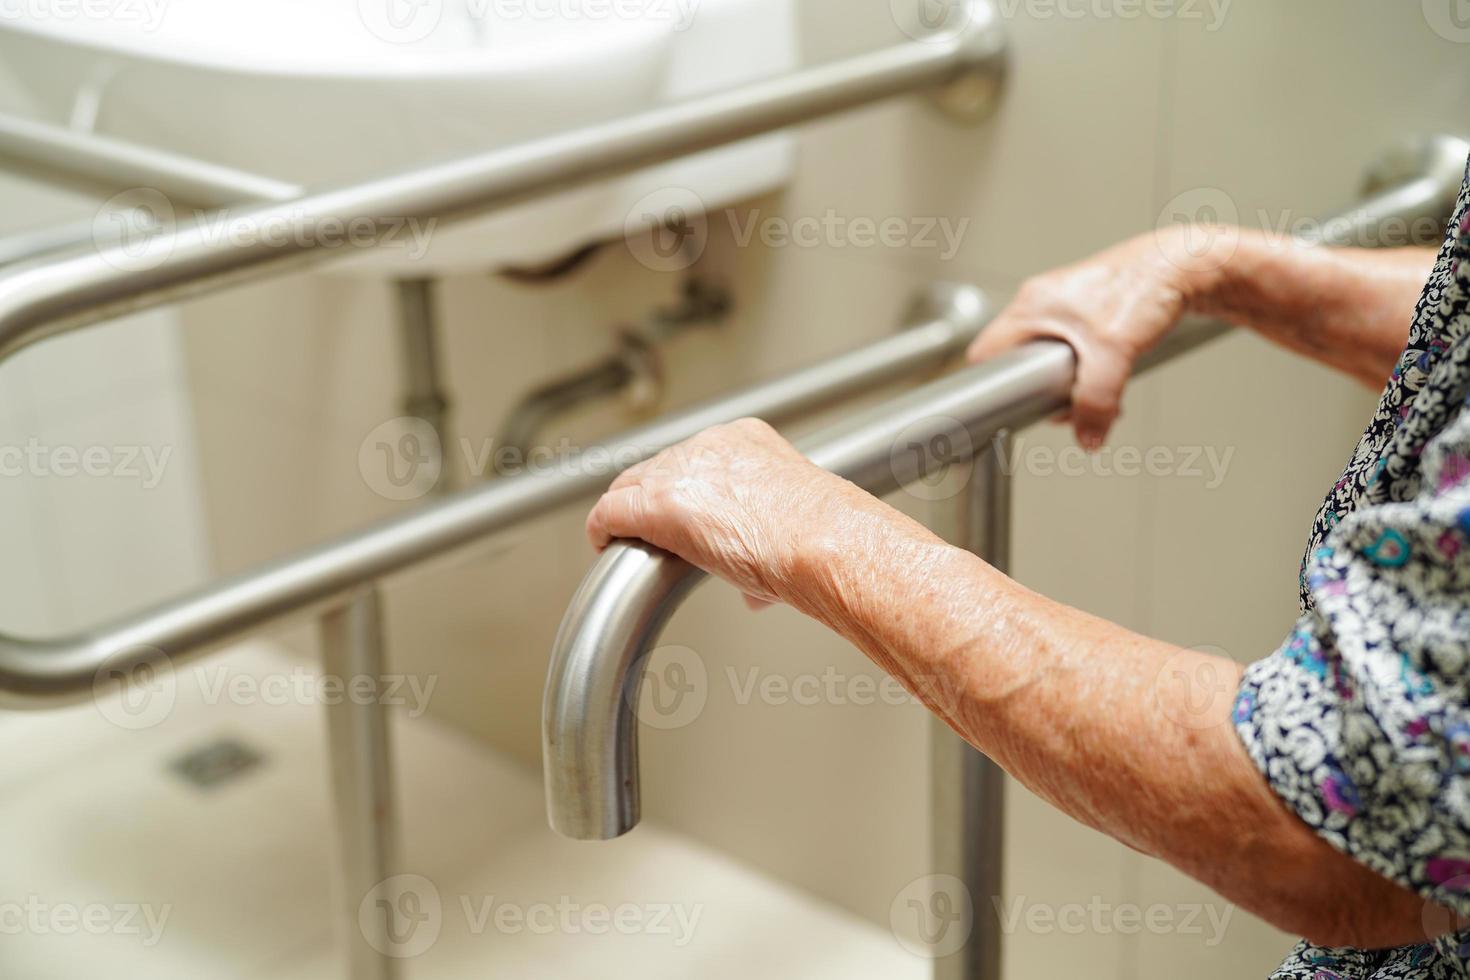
<point x="1360" y="722"/>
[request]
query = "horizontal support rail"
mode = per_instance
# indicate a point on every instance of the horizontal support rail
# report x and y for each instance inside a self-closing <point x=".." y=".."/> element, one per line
<point x="64" y="293"/>
<point x="590" y="729"/>
<point x="99" y="164"/>
<point x="37" y="672"/>
<point x="35" y="243"/>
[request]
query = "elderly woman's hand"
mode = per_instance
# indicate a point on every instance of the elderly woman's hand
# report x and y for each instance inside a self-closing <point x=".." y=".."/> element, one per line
<point x="1346" y="307"/>
<point x="1111" y="308"/>
<point x="737" y="500"/>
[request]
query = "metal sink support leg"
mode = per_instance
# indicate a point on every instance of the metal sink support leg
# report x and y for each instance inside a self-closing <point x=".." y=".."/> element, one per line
<point x="424" y="396"/>
<point x="362" y="783"/>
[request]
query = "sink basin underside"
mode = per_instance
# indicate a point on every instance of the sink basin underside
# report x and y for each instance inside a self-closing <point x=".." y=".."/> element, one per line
<point x="371" y="38"/>
<point x="316" y="93"/>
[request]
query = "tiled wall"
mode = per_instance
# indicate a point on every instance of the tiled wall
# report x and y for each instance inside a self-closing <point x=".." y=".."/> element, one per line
<point x="1106" y="119"/>
<point x="99" y="492"/>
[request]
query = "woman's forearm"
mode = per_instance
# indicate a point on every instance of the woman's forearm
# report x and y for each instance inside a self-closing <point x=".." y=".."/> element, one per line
<point x="1126" y="734"/>
<point x="1349" y="308"/>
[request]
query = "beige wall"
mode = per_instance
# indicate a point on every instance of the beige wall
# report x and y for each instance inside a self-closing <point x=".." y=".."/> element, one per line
<point x="1105" y="121"/>
<point x="78" y="548"/>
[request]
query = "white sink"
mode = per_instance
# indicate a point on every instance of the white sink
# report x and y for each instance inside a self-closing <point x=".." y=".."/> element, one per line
<point x="323" y="92"/>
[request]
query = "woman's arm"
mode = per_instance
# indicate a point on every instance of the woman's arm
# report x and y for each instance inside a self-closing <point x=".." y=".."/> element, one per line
<point x="1349" y="308"/>
<point x="1127" y="734"/>
<point x="1103" y="723"/>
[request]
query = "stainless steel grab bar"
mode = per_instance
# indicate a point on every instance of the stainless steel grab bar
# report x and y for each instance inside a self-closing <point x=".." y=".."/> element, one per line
<point x="67" y="667"/>
<point x="609" y="632"/>
<point x="57" y="292"/>
<point x="68" y="292"/>
<point x="97" y="164"/>
<point x="94" y="163"/>
<point x="339" y="580"/>
<point x="590" y="730"/>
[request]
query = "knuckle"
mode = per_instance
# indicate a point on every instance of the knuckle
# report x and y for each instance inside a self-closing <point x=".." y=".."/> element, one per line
<point x="1034" y="287"/>
<point x="752" y="427"/>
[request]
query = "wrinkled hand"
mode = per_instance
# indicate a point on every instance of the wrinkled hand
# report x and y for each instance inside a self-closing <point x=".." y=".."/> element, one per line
<point x="737" y="500"/>
<point x="1111" y="308"/>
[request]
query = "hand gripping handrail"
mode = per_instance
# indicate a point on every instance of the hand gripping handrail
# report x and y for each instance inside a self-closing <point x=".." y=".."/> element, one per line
<point x="962" y="68"/>
<point x="590" y="729"/>
<point x="41" y="672"/>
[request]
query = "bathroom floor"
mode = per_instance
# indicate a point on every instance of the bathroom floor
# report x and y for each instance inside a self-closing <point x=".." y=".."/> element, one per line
<point x="194" y="842"/>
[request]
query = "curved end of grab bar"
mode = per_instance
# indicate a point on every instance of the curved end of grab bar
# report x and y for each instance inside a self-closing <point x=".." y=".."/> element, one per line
<point x="973" y="94"/>
<point x="589" y="715"/>
<point x="1438" y="158"/>
<point x="53" y="673"/>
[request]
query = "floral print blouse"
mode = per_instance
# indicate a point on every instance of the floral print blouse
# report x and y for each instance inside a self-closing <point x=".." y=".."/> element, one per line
<point x="1360" y="722"/>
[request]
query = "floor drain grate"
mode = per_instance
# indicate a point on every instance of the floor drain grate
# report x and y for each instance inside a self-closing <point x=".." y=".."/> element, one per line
<point x="216" y="764"/>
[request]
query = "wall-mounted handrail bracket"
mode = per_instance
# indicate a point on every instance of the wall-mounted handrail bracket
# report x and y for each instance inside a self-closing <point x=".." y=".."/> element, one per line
<point x="1438" y="158"/>
<point x="973" y="94"/>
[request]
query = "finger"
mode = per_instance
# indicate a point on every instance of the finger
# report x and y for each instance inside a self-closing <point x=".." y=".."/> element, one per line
<point x="1102" y="373"/>
<point x="1097" y="395"/>
<point x="755" y="604"/>
<point x="1003" y="334"/>
<point x="620" y="513"/>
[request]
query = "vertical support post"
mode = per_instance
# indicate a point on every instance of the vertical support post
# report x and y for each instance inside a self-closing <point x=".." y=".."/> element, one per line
<point x="967" y="789"/>
<point x="362" y="784"/>
<point x="423" y="383"/>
